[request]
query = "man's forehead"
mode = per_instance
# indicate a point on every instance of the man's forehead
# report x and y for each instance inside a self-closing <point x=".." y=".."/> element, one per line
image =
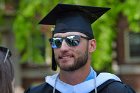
<point x="68" y="33"/>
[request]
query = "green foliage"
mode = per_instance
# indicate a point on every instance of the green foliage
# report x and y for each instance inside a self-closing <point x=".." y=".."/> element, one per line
<point x="131" y="10"/>
<point x="28" y="36"/>
<point x="26" y="30"/>
<point x="1" y="12"/>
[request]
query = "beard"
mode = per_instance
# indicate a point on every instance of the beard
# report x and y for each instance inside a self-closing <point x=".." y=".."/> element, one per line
<point x="77" y="64"/>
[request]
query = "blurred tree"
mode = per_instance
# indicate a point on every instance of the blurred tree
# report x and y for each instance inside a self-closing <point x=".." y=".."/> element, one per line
<point x="28" y="35"/>
<point x="1" y="11"/>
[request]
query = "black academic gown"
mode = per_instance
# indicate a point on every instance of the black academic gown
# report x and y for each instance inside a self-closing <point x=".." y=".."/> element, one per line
<point x="110" y="86"/>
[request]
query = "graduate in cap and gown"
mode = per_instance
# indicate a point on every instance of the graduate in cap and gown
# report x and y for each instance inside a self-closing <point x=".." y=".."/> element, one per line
<point x="72" y="43"/>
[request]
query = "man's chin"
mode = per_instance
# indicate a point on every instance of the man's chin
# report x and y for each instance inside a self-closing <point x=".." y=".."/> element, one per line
<point x="65" y="67"/>
<point x="69" y="68"/>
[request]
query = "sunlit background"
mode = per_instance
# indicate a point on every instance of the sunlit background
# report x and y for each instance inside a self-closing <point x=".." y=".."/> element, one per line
<point x="117" y="33"/>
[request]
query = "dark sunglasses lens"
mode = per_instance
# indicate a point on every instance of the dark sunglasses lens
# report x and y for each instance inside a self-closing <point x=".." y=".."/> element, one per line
<point x="73" y="40"/>
<point x="56" y="42"/>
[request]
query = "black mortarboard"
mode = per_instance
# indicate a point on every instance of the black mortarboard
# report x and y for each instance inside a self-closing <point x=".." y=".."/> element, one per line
<point x="72" y="18"/>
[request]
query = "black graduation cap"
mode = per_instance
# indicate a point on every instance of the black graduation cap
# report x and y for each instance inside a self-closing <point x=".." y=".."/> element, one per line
<point x="72" y="18"/>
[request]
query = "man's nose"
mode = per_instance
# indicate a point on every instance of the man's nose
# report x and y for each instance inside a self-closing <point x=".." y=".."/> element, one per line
<point x="64" y="46"/>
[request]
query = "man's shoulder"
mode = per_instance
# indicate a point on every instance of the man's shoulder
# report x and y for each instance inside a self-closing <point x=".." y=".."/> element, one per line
<point x="113" y="86"/>
<point x="42" y="88"/>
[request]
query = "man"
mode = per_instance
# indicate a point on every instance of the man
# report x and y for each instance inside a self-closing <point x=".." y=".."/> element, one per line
<point x="72" y="44"/>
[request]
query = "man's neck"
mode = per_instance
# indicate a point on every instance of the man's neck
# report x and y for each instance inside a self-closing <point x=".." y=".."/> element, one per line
<point x="75" y="77"/>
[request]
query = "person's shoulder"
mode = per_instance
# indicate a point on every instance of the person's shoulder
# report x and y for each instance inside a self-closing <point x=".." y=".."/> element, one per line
<point x="39" y="89"/>
<point x="112" y="84"/>
<point x="118" y="87"/>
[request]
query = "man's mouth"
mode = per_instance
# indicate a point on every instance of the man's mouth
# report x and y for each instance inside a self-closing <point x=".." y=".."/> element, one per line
<point x="65" y="56"/>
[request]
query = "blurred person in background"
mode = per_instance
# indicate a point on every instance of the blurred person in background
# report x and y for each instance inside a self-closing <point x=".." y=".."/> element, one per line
<point x="6" y="71"/>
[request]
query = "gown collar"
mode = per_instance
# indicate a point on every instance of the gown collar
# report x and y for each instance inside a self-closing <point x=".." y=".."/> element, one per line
<point x="83" y="87"/>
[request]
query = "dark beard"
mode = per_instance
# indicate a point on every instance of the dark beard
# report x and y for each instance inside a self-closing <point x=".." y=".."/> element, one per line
<point x="79" y="62"/>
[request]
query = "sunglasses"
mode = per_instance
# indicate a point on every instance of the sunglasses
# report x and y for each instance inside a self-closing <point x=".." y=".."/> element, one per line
<point x="6" y="52"/>
<point x="72" y="40"/>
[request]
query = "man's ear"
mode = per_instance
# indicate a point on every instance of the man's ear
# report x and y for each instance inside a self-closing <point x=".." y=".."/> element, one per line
<point x="92" y="45"/>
